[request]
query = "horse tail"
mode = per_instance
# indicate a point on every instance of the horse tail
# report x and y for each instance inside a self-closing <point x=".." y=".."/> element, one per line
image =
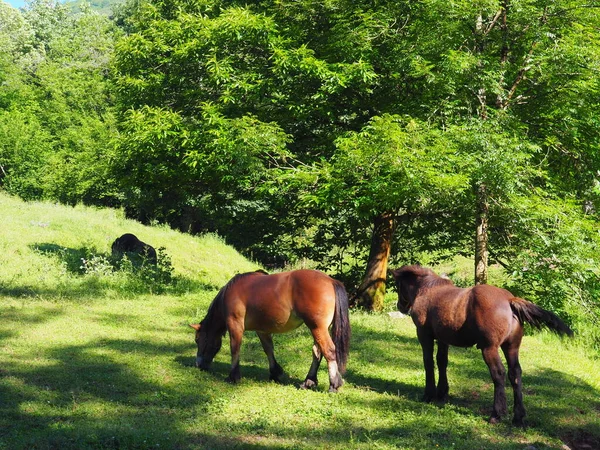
<point x="340" y="330"/>
<point x="538" y="317"/>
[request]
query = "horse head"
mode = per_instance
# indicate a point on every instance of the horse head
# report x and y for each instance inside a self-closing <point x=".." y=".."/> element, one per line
<point x="208" y="342"/>
<point x="412" y="280"/>
<point x="407" y="285"/>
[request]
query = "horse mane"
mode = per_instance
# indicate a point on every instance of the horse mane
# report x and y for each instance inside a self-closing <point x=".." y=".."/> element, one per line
<point x="214" y="310"/>
<point x="429" y="278"/>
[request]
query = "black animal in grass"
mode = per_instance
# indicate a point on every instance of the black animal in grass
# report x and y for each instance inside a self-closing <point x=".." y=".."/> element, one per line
<point x="130" y="245"/>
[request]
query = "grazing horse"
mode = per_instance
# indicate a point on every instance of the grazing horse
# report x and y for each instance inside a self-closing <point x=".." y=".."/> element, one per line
<point x="279" y="303"/>
<point x="484" y="315"/>
<point x="129" y="243"/>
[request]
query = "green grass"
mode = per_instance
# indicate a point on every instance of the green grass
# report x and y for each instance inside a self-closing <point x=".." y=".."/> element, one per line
<point x="101" y="360"/>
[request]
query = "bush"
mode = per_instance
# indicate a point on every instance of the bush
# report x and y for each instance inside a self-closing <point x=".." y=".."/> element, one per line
<point x="140" y="274"/>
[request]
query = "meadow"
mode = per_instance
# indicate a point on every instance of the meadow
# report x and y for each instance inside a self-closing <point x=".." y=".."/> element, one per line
<point x="92" y="357"/>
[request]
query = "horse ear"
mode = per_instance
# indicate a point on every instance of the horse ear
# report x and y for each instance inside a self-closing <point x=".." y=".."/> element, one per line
<point x="195" y="326"/>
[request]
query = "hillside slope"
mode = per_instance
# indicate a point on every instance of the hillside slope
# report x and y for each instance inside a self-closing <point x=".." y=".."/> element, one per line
<point x="42" y="245"/>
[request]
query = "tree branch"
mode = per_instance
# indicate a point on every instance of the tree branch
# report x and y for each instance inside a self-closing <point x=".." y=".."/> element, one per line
<point x="493" y="22"/>
<point x="520" y="77"/>
<point x="498" y="260"/>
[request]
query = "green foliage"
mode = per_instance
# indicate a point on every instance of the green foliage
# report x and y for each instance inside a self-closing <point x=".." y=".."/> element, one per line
<point x="23" y="145"/>
<point x="56" y="106"/>
<point x="389" y="107"/>
<point x="557" y="266"/>
<point x="133" y="271"/>
<point x="104" y="7"/>
<point x="394" y="164"/>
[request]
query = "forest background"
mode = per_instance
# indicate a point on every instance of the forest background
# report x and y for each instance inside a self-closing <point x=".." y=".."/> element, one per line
<point x="343" y="135"/>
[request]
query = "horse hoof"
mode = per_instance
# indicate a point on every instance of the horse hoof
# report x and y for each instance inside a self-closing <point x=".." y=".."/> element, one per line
<point x="232" y="380"/>
<point x="276" y="374"/>
<point x="308" y="384"/>
<point x="518" y="422"/>
<point x="494" y="420"/>
<point x="333" y="389"/>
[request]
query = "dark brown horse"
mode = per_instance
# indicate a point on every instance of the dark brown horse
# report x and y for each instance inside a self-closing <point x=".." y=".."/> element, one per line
<point x="485" y="316"/>
<point x="279" y="303"/>
<point x="129" y="244"/>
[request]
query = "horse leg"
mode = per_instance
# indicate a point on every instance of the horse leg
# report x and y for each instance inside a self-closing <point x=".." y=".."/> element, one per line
<point x="498" y="373"/>
<point x="442" y="363"/>
<point x="327" y="347"/>
<point x="311" y="377"/>
<point x="275" y="370"/>
<point x="427" y="346"/>
<point x="511" y="353"/>
<point x="236" y="331"/>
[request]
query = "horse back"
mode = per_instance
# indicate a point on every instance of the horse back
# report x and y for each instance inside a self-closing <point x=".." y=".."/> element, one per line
<point x="465" y="317"/>
<point x="280" y="302"/>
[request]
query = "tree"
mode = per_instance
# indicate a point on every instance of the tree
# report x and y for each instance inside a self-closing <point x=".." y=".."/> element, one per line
<point x="239" y="87"/>
<point x="22" y="140"/>
<point x="56" y="112"/>
<point x="321" y="81"/>
<point x="394" y="169"/>
<point x="518" y="63"/>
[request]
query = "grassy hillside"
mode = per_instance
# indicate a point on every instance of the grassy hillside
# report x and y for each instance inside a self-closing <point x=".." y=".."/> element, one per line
<point x="91" y="358"/>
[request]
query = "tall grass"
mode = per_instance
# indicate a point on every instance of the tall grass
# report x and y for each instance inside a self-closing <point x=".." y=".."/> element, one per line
<point x="94" y="358"/>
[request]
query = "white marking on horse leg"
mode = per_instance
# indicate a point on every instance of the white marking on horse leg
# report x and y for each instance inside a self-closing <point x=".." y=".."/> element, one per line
<point x="332" y="368"/>
<point x="335" y="378"/>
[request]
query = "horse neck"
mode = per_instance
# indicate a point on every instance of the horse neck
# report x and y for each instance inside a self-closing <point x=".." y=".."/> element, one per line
<point x="432" y="281"/>
<point x="215" y="318"/>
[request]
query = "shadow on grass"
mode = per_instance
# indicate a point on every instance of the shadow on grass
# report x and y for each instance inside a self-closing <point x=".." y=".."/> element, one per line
<point x="254" y="365"/>
<point x="219" y="372"/>
<point x="71" y="257"/>
<point x="26" y="318"/>
<point x="418" y="426"/>
<point x="566" y="404"/>
<point x="374" y="348"/>
<point x="558" y="404"/>
<point x="91" y="396"/>
<point x="39" y="407"/>
<point x="369" y="349"/>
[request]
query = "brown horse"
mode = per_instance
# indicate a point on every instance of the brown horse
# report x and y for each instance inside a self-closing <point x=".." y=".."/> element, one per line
<point x="484" y="315"/>
<point x="279" y="303"/>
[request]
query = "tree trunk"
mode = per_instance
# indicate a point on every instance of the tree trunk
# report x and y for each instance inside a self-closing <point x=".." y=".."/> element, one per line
<point x="371" y="292"/>
<point x="481" y="236"/>
<point x="481" y="215"/>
